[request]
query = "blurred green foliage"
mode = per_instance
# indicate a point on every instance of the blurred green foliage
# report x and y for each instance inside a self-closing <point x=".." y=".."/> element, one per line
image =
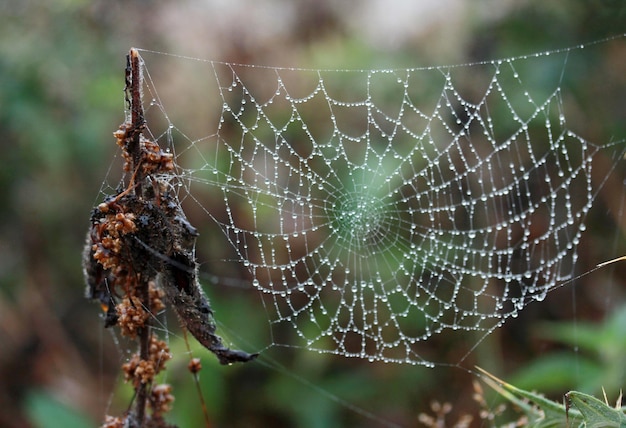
<point x="46" y="412"/>
<point x="598" y="365"/>
<point x="61" y="80"/>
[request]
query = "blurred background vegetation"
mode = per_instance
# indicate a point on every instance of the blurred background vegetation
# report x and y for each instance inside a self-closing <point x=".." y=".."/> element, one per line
<point x="61" y="80"/>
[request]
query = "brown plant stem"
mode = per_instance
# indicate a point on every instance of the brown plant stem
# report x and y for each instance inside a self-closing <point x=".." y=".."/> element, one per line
<point x="134" y="149"/>
<point x="133" y="85"/>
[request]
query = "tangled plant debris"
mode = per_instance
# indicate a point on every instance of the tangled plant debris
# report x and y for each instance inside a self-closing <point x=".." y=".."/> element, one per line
<point x="140" y="251"/>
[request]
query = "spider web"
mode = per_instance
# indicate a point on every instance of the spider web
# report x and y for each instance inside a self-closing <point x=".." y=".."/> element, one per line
<point x="376" y="210"/>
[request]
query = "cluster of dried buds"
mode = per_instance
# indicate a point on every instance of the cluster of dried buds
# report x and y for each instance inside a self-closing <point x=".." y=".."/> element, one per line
<point x="153" y="159"/>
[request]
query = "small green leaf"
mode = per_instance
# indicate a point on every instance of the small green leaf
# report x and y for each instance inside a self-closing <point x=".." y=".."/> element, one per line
<point x="583" y="410"/>
<point x="596" y="413"/>
<point x="547" y="413"/>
